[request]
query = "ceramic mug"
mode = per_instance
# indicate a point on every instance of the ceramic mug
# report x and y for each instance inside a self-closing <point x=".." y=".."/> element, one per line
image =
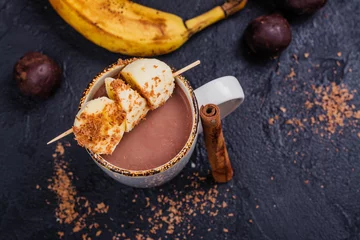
<point x="226" y="92"/>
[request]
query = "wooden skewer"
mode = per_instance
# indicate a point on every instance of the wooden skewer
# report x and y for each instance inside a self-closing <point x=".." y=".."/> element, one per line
<point x="188" y="67"/>
<point x="61" y="135"/>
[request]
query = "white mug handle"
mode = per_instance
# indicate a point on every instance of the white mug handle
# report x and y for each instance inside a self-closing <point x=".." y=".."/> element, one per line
<point x="226" y="92"/>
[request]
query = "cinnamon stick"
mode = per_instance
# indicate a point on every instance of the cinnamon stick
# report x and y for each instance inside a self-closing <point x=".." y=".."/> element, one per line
<point x="215" y="143"/>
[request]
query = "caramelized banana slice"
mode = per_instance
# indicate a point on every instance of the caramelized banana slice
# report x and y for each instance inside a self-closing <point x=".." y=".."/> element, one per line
<point x="100" y="125"/>
<point x="129" y="100"/>
<point x="152" y="78"/>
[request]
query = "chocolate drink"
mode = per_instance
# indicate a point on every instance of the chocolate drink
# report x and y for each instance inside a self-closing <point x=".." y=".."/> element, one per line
<point x="157" y="139"/>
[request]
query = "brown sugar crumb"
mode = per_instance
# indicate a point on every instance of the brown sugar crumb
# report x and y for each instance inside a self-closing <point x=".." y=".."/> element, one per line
<point x="271" y="121"/>
<point x="77" y="228"/>
<point x="225" y="230"/>
<point x="155" y="66"/>
<point x="306" y="55"/>
<point x="60" y="149"/>
<point x="308" y="104"/>
<point x="100" y="205"/>
<point x="60" y="234"/>
<point x="291" y="75"/>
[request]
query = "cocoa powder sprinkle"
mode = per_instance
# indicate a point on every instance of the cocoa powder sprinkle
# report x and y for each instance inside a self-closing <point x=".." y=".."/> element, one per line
<point x="328" y="110"/>
<point x="171" y="212"/>
<point x="70" y="206"/>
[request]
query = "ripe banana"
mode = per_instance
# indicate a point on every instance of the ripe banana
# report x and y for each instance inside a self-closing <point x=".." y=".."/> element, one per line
<point x="132" y="29"/>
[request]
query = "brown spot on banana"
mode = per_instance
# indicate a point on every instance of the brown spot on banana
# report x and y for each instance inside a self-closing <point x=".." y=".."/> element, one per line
<point x="158" y="24"/>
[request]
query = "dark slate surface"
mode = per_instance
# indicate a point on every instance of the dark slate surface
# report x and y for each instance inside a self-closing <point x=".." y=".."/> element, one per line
<point x="288" y="207"/>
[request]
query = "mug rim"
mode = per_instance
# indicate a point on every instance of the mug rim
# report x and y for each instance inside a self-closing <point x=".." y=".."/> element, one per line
<point x="169" y="164"/>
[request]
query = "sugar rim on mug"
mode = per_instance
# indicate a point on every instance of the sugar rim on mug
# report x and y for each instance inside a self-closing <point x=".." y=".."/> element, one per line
<point x="165" y="166"/>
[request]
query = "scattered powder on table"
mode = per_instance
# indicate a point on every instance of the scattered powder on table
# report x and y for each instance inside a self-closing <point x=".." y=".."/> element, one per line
<point x="172" y="217"/>
<point x="72" y="209"/>
<point x="328" y="110"/>
<point x="169" y="214"/>
<point x="335" y="102"/>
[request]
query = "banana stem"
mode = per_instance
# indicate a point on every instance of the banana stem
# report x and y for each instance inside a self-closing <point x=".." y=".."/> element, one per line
<point x="216" y="14"/>
<point x="233" y="6"/>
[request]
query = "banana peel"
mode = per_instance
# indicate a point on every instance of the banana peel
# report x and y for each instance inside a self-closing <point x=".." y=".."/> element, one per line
<point x="125" y="27"/>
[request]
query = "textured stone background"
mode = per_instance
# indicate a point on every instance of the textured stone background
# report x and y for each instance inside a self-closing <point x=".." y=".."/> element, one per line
<point x="292" y="203"/>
